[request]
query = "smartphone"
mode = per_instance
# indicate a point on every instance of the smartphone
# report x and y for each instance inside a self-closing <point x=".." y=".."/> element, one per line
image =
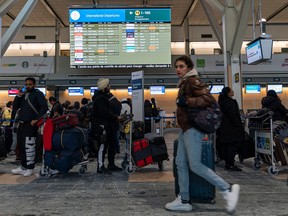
<point x="23" y="89"/>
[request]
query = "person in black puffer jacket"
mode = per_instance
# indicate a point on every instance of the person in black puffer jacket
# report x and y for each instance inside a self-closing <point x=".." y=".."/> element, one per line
<point x="231" y="132"/>
<point x="102" y="126"/>
<point x="273" y="102"/>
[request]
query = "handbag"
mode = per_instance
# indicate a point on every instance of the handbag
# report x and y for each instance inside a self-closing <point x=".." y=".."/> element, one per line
<point x="206" y="119"/>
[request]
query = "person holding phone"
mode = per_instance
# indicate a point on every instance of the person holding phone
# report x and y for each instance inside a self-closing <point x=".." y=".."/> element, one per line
<point x="32" y="105"/>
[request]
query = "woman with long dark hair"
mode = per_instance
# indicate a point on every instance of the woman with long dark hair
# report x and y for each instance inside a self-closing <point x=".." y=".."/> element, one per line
<point x="231" y="132"/>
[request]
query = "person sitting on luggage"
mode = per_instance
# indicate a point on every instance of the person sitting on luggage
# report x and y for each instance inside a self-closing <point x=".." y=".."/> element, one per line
<point x="273" y="102"/>
<point x="192" y="93"/>
<point x="231" y="132"/>
<point x="102" y="117"/>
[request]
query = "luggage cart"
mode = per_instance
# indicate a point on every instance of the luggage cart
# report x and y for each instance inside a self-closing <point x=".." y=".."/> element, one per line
<point x="264" y="143"/>
<point x="128" y="163"/>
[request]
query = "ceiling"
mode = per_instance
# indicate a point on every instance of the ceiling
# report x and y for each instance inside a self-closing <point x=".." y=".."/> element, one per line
<point x="45" y="11"/>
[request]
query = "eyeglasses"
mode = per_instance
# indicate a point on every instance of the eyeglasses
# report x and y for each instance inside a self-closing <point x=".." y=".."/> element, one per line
<point x="180" y="66"/>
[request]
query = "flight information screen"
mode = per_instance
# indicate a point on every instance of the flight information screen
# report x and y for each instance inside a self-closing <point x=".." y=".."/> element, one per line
<point x="120" y="38"/>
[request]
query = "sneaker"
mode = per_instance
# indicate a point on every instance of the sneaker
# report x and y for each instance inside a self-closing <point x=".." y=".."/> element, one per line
<point x="28" y="172"/>
<point x="114" y="168"/>
<point x="231" y="196"/>
<point x="53" y="171"/>
<point x="101" y="170"/>
<point x="179" y="205"/>
<point x="19" y="171"/>
<point x="12" y="152"/>
<point x="233" y="168"/>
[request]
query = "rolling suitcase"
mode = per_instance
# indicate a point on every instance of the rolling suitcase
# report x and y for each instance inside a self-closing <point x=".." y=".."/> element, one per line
<point x="158" y="147"/>
<point x="200" y="190"/>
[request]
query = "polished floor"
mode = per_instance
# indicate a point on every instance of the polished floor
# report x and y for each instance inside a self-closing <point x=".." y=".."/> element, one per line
<point x="144" y="192"/>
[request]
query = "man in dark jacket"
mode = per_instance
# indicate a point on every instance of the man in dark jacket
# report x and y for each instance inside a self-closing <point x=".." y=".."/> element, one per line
<point x="102" y="117"/>
<point x="32" y="105"/>
<point x="116" y="107"/>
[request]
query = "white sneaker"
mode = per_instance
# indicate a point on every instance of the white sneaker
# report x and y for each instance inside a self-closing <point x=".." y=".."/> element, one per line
<point x="178" y="205"/>
<point x="232" y="197"/>
<point x="53" y="171"/>
<point x="28" y="172"/>
<point x="19" y="171"/>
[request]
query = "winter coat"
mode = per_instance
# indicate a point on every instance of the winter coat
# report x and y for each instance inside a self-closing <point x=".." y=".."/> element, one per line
<point x="274" y="103"/>
<point x="231" y="128"/>
<point x="26" y="113"/>
<point x="102" y="113"/>
<point x="197" y="95"/>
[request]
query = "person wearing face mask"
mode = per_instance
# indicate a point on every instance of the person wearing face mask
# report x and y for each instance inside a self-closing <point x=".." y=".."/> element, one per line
<point x="102" y="118"/>
<point x="231" y="132"/>
<point x="193" y="93"/>
<point x="33" y="106"/>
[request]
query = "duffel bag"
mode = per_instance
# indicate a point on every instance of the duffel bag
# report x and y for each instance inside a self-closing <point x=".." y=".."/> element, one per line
<point x="65" y="121"/>
<point x="158" y="147"/>
<point x="70" y="139"/>
<point x="67" y="159"/>
<point x="141" y="152"/>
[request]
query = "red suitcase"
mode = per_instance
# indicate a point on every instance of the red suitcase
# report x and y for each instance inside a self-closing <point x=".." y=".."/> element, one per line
<point x="141" y="153"/>
<point x="65" y="121"/>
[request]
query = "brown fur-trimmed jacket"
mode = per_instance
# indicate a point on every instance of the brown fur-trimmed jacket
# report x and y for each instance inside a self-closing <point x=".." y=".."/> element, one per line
<point x="196" y="94"/>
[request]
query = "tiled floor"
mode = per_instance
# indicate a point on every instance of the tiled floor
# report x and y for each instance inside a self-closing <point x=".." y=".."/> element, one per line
<point x="143" y="193"/>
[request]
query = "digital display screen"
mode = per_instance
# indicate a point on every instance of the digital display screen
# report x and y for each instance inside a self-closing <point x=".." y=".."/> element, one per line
<point x="253" y="89"/>
<point x="75" y="91"/>
<point x="42" y="89"/>
<point x="92" y="90"/>
<point x="129" y="90"/>
<point x="157" y="90"/>
<point x="216" y="89"/>
<point x="278" y="88"/>
<point x="120" y="38"/>
<point x="259" y="50"/>
<point x="13" y="91"/>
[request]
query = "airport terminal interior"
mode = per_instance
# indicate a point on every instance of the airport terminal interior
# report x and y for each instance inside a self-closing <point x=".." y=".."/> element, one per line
<point x="67" y="46"/>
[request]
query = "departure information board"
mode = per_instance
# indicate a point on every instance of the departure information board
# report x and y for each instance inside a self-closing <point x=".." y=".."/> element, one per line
<point x="120" y="38"/>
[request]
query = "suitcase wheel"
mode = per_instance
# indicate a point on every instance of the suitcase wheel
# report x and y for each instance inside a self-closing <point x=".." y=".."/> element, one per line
<point x="82" y="169"/>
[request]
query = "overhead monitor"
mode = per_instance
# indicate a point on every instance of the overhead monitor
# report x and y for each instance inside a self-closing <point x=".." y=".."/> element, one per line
<point x="13" y="91"/>
<point x="120" y="38"/>
<point x="42" y="89"/>
<point x="259" y="50"/>
<point x="252" y="88"/>
<point x="157" y="90"/>
<point x="75" y="91"/>
<point x="278" y="88"/>
<point x="216" y="89"/>
<point x="92" y="90"/>
<point x="129" y="90"/>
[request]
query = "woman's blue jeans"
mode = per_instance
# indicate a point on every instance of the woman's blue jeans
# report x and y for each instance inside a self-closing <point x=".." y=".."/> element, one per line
<point x="189" y="155"/>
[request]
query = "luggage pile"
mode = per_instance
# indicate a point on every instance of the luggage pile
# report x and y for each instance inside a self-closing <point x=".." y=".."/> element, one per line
<point x="67" y="143"/>
<point x="144" y="149"/>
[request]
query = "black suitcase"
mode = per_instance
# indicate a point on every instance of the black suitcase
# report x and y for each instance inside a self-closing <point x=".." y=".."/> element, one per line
<point x="158" y="147"/>
<point x="200" y="190"/>
<point x="3" y="152"/>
